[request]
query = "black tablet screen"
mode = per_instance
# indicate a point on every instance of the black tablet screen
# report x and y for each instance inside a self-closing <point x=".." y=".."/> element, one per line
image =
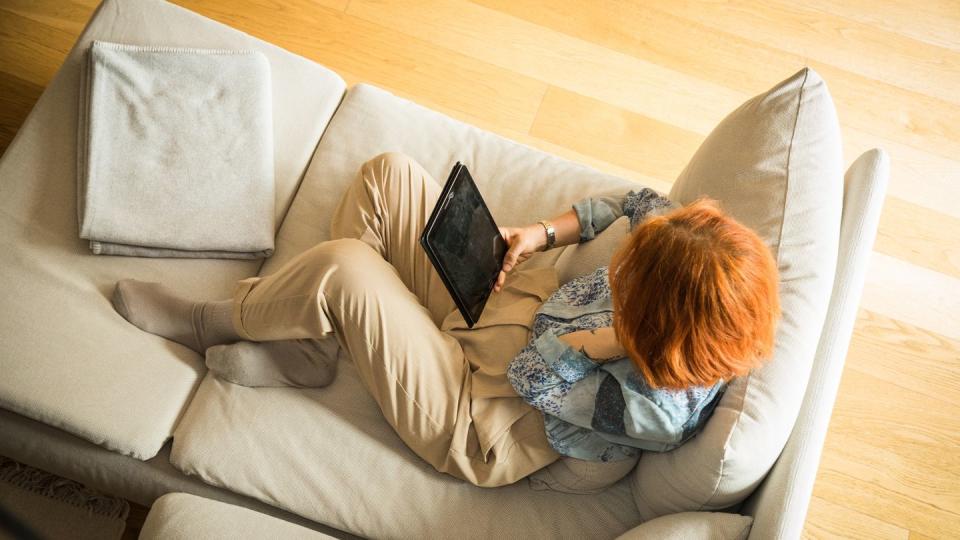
<point x="466" y="243"/>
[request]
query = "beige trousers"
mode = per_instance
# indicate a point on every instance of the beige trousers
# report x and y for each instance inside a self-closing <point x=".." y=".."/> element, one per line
<point x="373" y="287"/>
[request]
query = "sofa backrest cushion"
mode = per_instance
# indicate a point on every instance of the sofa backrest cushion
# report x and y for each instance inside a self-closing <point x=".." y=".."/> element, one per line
<point x="775" y="165"/>
<point x="520" y="184"/>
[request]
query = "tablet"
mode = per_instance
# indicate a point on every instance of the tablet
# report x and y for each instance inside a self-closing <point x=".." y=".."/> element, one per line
<point x="464" y="244"/>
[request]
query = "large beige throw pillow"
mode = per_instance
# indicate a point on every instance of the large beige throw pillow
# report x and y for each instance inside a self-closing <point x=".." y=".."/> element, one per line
<point x="774" y="164"/>
<point x="692" y="526"/>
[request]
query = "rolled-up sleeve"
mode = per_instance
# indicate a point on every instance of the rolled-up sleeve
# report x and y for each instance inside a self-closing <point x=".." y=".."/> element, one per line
<point x="597" y="213"/>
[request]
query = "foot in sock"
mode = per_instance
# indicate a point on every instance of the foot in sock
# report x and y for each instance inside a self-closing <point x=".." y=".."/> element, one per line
<point x="302" y="363"/>
<point x="157" y="309"/>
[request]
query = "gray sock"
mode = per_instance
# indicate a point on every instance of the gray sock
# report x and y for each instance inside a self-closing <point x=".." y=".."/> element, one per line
<point x="155" y="308"/>
<point x="303" y="363"/>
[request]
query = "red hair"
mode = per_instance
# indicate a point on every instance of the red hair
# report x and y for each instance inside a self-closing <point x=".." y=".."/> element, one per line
<point x="695" y="297"/>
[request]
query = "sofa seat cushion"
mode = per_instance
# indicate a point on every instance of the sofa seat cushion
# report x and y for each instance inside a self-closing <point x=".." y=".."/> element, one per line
<point x="775" y="164"/>
<point x="143" y="482"/>
<point x="69" y="359"/>
<point x="327" y="453"/>
<point x="182" y="516"/>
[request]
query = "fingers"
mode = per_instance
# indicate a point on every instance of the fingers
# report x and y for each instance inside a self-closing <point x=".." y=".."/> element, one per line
<point x="512" y="256"/>
<point x="517" y="252"/>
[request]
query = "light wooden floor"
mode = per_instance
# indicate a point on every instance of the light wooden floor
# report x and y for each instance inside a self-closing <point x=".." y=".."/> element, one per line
<point x="632" y="88"/>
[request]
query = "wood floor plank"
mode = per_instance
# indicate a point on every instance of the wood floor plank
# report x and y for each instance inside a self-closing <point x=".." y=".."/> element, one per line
<point x="895" y="119"/>
<point x="921" y="121"/>
<point x="920" y="236"/>
<point x="883" y="455"/>
<point x="846" y="489"/>
<point x="913" y="294"/>
<point x="904" y="435"/>
<point x="913" y="468"/>
<point x="846" y="44"/>
<point x="552" y="57"/>
<point x="830" y="520"/>
<point x="612" y="134"/>
<point x="23" y="38"/>
<point x="932" y="21"/>
<point x="906" y="355"/>
<point x="917" y="176"/>
<point x="17" y="97"/>
<point x="68" y="15"/>
<point x="383" y="56"/>
<point x="575" y="65"/>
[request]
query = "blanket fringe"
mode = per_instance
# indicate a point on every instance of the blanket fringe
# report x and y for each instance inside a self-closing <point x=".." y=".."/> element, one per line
<point x="62" y="489"/>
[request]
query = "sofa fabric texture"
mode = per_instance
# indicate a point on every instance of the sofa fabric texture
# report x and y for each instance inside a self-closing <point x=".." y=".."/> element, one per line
<point x="775" y="165"/>
<point x="181" y="516"/>
<point x="69" y="359"/>
<point x="175" y="152"/>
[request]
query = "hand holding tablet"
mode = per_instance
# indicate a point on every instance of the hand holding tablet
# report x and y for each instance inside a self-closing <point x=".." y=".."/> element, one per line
<point x="522" y="242"/>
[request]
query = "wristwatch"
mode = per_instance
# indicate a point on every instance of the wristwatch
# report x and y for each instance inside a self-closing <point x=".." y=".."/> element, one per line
<point x="551" y="234"/>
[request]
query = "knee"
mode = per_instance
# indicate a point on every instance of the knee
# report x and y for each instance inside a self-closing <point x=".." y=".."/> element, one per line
<point x="391" y="159"/>
<point x="391" y="166"/>
<point x="340" y="252"/>
<point x="348" y="271"/>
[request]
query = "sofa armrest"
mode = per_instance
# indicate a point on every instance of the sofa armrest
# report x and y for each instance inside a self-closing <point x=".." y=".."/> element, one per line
<point x="779" y="505"/>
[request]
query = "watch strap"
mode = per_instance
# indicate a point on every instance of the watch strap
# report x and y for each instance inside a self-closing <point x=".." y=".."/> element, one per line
<point x="551" y="233"/>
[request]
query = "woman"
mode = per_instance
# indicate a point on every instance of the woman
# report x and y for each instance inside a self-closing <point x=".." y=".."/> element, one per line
<point x="634" y="358"/>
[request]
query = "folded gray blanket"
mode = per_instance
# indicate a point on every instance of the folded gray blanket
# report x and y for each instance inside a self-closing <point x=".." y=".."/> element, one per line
<point x="175" y="154"/>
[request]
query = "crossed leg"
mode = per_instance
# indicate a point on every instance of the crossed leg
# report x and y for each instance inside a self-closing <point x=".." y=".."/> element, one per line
<point x="376" y="293"/>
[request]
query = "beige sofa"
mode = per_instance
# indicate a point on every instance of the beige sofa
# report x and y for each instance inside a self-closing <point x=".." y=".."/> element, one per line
<point x="86" y="395"/>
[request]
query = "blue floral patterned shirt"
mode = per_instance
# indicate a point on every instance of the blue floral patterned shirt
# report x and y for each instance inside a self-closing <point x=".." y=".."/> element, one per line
<point x="601" y="412"/>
